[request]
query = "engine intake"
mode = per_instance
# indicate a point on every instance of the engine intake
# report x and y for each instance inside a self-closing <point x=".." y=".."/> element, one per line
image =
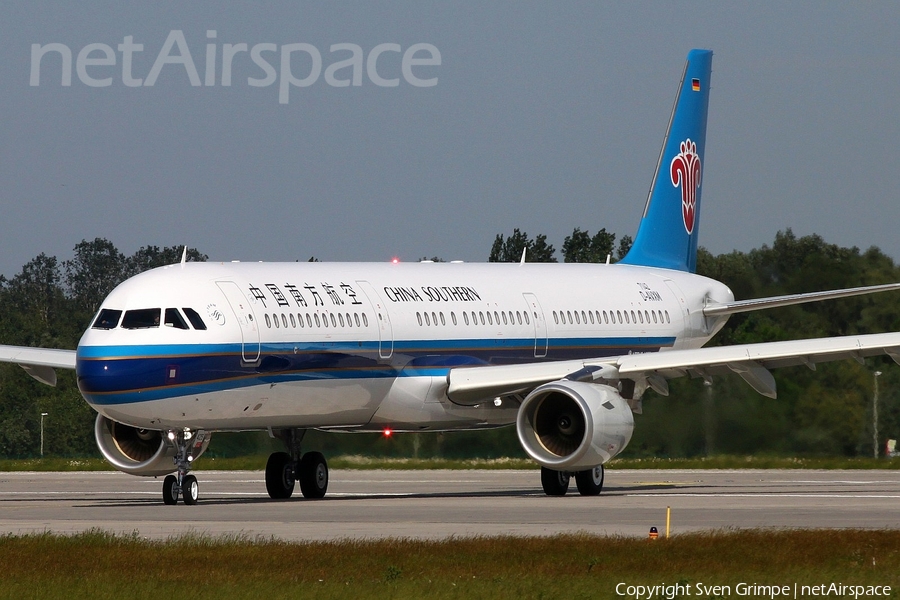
<point x="136" y="451"/>
<point x="574" y="426"/>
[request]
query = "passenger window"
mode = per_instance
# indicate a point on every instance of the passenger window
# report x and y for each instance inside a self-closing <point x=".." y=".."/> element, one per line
<point x="577" y="318"/>
<point x="356" y="318"/>
<point x="619" y="316"/>
<point x="569" y="317"/>
<point x="496" y="318"/>
<point x="519" y="317"/>
<point x="107" y="319"/>
<point x="481" y="315"/>
<point x="275" y="318"/>
<point x="490" y="319"/>
<point x="174" y="319"/>
<point x="427" y="319"/>
<point x="667" y="317"/>
<point x="318" y="324"/>
<point x="641" y="316"/>
<point x="465" y="318"/>
<point x="555" y="318"/>
<point x="591" y="315"/>
<point x="144" y="318"/>
<point x="443" y="322"/>
<point x="333" y="322"/>
<point x="419" y="318"/>
<point x="365" y="320"/>
<point x="653" y="312"/>
<point x="504" y="319"/>
<point x="284" y="320"/>
<point x="309" y="321"/>
<point x="527" y="322"/>
<point x="434" y="319"/>
<point x="293" y="321"/>
<point x="300" y="319"/>
<point x="341" y="319"/>
<point x="349" y="321"/>
<point x="268" y="321"/>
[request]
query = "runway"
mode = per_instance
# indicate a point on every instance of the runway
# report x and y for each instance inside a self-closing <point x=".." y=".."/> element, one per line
<point x="440" y="504"/>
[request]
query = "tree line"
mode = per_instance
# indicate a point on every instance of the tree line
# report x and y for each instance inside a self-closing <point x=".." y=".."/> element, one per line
<point x="826" y="412"/>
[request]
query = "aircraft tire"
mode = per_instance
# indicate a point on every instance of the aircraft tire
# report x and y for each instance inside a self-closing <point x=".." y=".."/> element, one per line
<point x="313" y="471"/>
<point x="590" y="482"/>
<point x="170" y="490"/>
<point x="555" y="483"/>
<point x="280" y="476"/>
<point x="190" y="490"/>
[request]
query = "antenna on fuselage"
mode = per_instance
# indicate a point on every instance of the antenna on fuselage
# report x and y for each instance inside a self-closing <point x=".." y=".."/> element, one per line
<point x="184" y="255"/>
<point x="524" y="250"/>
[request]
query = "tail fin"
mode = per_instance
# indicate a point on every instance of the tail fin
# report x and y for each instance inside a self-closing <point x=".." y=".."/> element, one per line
<point x="667" y="236"/>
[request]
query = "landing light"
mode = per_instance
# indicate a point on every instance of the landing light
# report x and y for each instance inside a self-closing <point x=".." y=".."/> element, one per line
<point x="395" y="260"/>
<point x="388" y="432"/>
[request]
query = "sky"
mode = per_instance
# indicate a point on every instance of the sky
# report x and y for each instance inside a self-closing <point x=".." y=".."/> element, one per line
<point x="542" y="116"/>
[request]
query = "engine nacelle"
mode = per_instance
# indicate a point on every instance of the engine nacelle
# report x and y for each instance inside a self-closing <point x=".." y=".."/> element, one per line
<point x="574" y="426"/>
<point x="137" y="451"/>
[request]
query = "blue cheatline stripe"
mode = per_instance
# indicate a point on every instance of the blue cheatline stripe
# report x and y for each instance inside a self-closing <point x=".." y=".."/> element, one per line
<point x="127" y="374"/>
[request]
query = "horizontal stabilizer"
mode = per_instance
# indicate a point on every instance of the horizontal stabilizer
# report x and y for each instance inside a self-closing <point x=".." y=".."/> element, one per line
<point x="716" y="310"/>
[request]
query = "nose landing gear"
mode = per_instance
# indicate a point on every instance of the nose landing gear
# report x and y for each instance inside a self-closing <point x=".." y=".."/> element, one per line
<point x="181" y="483"/>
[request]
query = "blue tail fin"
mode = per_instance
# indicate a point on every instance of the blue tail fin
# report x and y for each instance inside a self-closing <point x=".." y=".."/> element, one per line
<point x="667" y="236"/>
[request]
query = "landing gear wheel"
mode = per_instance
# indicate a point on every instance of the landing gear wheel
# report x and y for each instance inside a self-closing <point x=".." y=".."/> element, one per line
<point x="590" y="482"/>
<point x="170" y="490"/>
<point x="555" y="483"/>
<point x="190" y="489"/>
<point x="280" y="476"/>
<point x="313" y="472"/>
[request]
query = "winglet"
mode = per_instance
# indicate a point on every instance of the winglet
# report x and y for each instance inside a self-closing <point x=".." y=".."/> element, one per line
<point x="667" y="236"/>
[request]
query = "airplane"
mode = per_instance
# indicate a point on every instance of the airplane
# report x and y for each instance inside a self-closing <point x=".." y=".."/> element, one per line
<point x="565" y="352"/>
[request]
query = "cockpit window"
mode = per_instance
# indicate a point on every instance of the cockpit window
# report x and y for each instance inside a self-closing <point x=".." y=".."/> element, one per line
<point x="107" y="319"/>
<point x="144" y="318"/>
<point x="174" y="319"/>
<point x="194" y="318"/>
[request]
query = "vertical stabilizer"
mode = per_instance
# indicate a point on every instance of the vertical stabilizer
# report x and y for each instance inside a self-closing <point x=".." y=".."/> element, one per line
<point x="667" y="236"/>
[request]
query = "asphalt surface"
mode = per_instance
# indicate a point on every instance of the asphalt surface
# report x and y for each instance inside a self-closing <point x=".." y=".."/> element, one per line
<point x="440" y="504"/>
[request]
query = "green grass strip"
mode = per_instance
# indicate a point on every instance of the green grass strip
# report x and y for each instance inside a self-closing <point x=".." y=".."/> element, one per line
<point x="102" y="565"/>
<point x="255" y="463"/>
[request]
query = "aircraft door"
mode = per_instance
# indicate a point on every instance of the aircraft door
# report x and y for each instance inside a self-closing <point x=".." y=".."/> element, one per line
<point x="681" y="314"/>
<point x="540" y="325"/>
<point x="243" y="311"/>
<point x="382" y="320"/>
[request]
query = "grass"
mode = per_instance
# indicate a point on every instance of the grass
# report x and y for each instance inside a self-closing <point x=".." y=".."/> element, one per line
<point x="255" y="463"/>
<point x="101" y="565"/>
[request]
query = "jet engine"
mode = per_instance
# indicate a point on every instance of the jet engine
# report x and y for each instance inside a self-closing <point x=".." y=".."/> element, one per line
<point x="573" y="426"/>
<point x="137" y="451"/>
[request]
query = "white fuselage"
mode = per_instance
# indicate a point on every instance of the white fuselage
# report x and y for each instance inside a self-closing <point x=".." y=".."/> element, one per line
<point x="359" y="346"/>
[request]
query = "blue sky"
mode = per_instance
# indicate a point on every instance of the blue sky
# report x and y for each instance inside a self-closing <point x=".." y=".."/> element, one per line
<point x="544" y="116"/>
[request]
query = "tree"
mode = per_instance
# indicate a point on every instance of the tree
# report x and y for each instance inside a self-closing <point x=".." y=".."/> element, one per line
<point x="580" y="247"/>
<point x="150" y="257"/>
<point x="91" y="275"/>
<point x="510" y="249"/>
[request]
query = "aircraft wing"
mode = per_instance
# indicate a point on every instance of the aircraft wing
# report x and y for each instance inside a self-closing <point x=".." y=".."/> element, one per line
<point x="39" y="362"/>
<point x="751" y="361"/>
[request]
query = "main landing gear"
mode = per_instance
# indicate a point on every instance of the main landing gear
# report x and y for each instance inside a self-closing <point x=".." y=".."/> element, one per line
<point x="556" y="483"/>
<point x="283" y="469"/>
<point x="181" y="483"/>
